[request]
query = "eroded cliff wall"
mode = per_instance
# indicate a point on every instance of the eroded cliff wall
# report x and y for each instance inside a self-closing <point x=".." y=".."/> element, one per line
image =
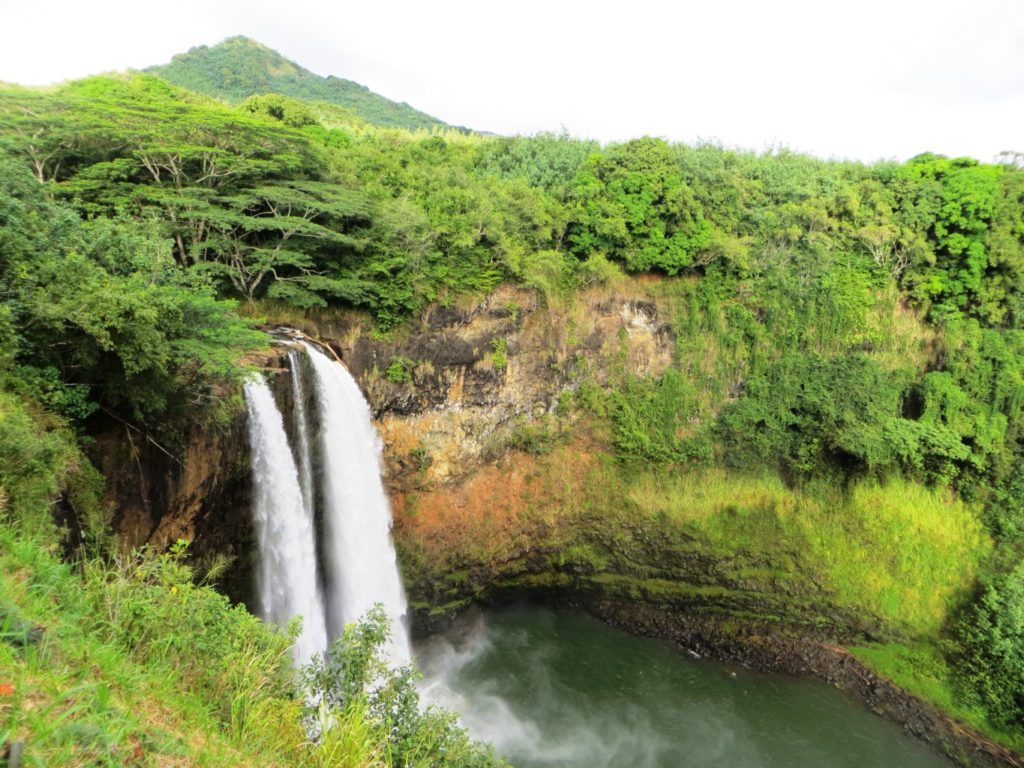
<point x="467" y="400"/>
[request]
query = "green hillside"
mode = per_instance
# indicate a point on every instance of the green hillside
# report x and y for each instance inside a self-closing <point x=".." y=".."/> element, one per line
<point x="239" y="67"/>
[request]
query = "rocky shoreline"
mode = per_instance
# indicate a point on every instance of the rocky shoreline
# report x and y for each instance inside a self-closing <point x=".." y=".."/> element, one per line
<point x="794" y="651"/>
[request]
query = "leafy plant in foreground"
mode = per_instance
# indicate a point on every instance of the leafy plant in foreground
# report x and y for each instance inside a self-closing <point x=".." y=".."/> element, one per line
<point x="355" y="678"/>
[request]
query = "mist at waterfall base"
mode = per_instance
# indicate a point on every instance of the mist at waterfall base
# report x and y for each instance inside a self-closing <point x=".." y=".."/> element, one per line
<point x="327" y="478"/>
<point x="552" y="688"/>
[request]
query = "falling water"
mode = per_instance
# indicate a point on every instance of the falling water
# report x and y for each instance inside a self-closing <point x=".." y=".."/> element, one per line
<point x="359" y="555"/>
<point x="303" y="456"/>
<point x="287" y="574"/>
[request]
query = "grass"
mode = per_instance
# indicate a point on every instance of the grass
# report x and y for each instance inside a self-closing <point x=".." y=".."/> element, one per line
<point x="82" y="697"/>
<point x="893" y="558"/>
<point x="132" y="663"/>
<point x="909" y="553"/>
<point x="897" y="552"/>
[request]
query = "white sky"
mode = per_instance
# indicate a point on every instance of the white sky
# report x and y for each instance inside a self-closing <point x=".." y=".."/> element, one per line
<point x="864" y="79"/>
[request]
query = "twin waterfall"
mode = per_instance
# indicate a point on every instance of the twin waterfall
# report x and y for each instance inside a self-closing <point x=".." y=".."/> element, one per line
<point x="322" y="518"/>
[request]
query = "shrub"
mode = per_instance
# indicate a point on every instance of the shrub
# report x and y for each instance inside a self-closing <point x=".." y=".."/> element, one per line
<point x="499" y="352"/>
<point x="537" y="439"/>
<point x="151" y="606"/>
<point x="399" y="370"/>
<point x="355" y="678"/>
<point x="991" y="638"/>
<point x="654" y="420"/>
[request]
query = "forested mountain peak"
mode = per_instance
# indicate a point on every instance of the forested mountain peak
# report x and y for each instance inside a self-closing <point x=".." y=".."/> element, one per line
<point x="239" y="67"/>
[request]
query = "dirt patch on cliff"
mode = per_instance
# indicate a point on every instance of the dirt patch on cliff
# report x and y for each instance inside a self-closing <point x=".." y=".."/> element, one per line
<point x="501" y="508"/>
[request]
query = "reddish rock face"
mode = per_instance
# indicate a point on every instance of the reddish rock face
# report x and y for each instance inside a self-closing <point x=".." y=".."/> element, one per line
<point x="452" y="394"/>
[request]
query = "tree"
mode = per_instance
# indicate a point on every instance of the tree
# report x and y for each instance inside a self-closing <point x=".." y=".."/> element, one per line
<point x="548" y="160"/>
<point x="632" y="204"/>
<point x="355" y="679"/>
<point x="274" y="231"/>
<point x="954" y="203"/>
<point x="274" y="106"/>
<point x="991" y="639"/>
<point x="103" y="314"/>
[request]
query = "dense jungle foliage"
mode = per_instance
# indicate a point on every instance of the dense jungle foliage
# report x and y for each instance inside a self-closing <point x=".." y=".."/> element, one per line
<point x="834" y="322"/>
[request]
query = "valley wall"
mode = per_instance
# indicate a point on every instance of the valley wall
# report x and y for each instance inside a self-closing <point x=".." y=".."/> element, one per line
<point x="504" y="485"/>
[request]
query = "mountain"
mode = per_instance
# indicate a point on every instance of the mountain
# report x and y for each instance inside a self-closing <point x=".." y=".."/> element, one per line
<point x="240" y="67"/>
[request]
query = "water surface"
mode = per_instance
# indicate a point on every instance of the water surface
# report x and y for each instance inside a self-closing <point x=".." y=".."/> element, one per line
<point x="551" y="688"/>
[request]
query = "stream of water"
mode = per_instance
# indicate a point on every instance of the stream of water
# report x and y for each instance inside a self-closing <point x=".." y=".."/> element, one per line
<point x="341" y="489"/>
<point x="286" y="577"/>
<point x="362" y="570"/>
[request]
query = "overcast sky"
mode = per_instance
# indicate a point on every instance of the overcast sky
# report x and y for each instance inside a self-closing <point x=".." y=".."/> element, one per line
<point x="869" y="79"/>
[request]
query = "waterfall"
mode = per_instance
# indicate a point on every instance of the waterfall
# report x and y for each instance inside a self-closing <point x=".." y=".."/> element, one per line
<point x="286" y="577"/>
<point x="346" y="495"/>
<point x="360" y="558"/>
<point x="303" y="458"/>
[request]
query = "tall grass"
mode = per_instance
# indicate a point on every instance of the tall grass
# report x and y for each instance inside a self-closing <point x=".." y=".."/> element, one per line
<point x="894" y="551"/>
<point x="137" y="665"/>
<point x="133" y="669"/>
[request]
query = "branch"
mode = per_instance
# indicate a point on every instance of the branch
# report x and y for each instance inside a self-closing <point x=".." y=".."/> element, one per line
<point x="146" y="435"/>
<point x="322" y="344"/>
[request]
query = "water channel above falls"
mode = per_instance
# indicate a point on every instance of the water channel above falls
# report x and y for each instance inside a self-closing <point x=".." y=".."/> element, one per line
<point x="551" y="688"/>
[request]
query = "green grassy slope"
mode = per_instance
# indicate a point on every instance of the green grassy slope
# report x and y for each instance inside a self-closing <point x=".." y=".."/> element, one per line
<point x="129" y="662"/>
<point x="104" y="678"/>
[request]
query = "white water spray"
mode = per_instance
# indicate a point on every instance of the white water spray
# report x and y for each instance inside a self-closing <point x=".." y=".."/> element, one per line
<point x="360" y="558"/>
<point x="287" y="573"/>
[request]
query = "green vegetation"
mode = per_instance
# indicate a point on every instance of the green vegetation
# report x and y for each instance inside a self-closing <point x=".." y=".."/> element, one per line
<point x="840" y="424"/>
<point x="991" y="642"/>
<point x="924" y="671"/>
<point x="499" y="352"/>
<point x="632" y="201"/>
<point x="354" y="684"/>
<point x="400" y="370"/>
<point x="897" y="555"/>
<point x="238" y="68"/>
<point x="129" y="661"/>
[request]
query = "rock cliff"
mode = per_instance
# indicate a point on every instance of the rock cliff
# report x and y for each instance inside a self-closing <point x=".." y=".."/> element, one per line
<point x="453" y="395"/>
<point x="500" y="481"/>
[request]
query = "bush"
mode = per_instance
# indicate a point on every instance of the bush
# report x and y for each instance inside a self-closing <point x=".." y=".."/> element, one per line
<point x="152" y="607"/>
<point x="1004" y="513"/>
<point x="810" y="415"/>
<point x="991" y="638"/>
<point x="652" y="421"/>
<point x="355" y="679"/>
<point x="399" y="370"/>
<point x="40" y="462"/>
<point x="537" y="439"/>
